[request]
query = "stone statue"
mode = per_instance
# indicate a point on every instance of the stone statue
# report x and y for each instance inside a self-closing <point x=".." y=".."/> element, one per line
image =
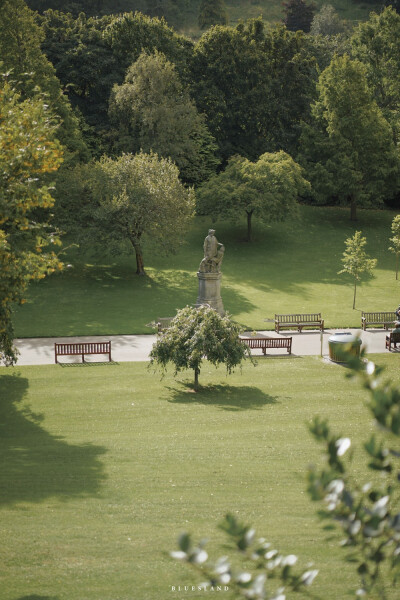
<point x="213" y="254"/>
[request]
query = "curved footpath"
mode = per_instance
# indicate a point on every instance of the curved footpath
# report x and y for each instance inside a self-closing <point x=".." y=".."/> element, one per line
<point x="127" y="348"/>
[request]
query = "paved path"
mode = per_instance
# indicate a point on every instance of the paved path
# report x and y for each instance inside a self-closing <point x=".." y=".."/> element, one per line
<point x="126" y="348"/>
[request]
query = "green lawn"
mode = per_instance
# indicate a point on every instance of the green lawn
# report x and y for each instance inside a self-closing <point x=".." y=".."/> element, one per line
<point x="289" y="267"/>
<point x="103" y="466"/>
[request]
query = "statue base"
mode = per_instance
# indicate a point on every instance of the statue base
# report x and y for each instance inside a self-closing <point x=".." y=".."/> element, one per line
<point x="210" y="291"/>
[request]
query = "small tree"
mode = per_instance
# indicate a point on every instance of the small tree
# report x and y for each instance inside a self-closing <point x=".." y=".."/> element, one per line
<point x="267" y="189"/>
<point x="135" y="196"/>
<point x="355" y="260"/>
<point x="196" y="334"/>
<point x="396" y="241"/>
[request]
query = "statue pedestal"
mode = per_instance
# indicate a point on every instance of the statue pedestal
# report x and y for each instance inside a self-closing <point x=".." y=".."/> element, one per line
<point x="210" y="291"/>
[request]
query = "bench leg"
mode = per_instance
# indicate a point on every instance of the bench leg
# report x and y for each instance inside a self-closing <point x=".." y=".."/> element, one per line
<point x="83" y="358"/>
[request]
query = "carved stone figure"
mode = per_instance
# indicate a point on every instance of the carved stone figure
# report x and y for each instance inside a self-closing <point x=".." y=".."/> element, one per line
<point x="213" y="254"/>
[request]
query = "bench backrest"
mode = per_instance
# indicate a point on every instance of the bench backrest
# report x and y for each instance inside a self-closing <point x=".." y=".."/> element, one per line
<point x="299" y="318"/>
<point x="378" y="317"/>
<point x="267" y="342"/>
<point x="395" y="336"/>
<point x="82" y="348"/>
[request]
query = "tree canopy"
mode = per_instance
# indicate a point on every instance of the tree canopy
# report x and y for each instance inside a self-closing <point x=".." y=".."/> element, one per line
<point x="133" y="197"/>
<point x="198" y="334"/>
<point x="29" y="154"/>
<point x="348" y="150"/>
<point x="154" y="112"/>
<point x="267" y="189"/>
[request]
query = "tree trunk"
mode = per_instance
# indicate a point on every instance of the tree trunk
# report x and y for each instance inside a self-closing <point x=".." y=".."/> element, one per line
<point x="397" y="265"/>
<point x="354" y="298"/>
<point x="139" y="257"/>
<point x="249" y="215"/>
<point x="196" y="379"/>
<point x="353" y="209"/>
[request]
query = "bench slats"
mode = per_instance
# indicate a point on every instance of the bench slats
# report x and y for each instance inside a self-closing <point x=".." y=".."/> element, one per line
<point x="82" y="348"/>
<point x="392" y="338"/>
<point x="385" y="318"/>
<point x="299" y="320"/>
<point x="265" y="343"/>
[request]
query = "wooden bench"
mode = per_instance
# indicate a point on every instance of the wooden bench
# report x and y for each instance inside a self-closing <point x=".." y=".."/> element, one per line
<point x="81" y="349"/>
<point x="392" y="338"/>
<point x="378" y="318"/>
<point x="299" y="321"/>
<point x="163" y="323"/>
<point x="264" y="343"/>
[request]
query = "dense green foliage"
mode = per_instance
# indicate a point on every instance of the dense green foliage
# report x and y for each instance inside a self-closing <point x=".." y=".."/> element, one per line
<point x="212" y="12"/>
<point x="135" y="196"/>
<point x="348" y="150"/>
<point x="28" y="153"/>
<point x="154" y="112"/>
<point x="198" y="334"/>
<point x="268" y="189"/>
<point x="298" y="15"/>
<point x="31" y="72"/>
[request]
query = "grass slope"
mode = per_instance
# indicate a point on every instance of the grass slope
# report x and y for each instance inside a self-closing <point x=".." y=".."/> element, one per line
<point x="103" y="466"/>
<point x="289" y="267"/>
<point x="272" y="12"/>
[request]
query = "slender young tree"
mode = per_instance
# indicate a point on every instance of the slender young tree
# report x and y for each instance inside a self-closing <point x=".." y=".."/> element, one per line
<point x="395" y="247"/>
<point x="355" y="260"/>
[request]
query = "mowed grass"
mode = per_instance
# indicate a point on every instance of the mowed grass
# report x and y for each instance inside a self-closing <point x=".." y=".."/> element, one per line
<point x="289" y="267"/>
<point x="103" y="466"/>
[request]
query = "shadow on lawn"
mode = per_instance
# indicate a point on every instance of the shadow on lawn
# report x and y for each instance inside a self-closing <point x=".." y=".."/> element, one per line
<point x="36" y="597"/>
<point x="226" y="397"/>
<point x="34" y="464"/>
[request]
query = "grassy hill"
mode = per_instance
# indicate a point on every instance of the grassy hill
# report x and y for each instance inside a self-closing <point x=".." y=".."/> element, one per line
<point x="289" y="267"/>
<point x="272" y="12"/>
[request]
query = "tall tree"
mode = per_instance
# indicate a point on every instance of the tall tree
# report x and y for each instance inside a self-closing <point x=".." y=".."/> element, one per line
<point x="154" y="112"/>
<point x="254" y="86"/>
<point x="376" y="43"/>
<point x="28" y="67"/>
<point x="266" y="189"/>
<point x="298" y="15"/>
<point x="212" y="12"/>
<point x="134" y="197"/>
<point x="29" y="154"/>
<point x="355" y="260"/>
<point x="348" y="150"/>
<point x="91" y="55"/>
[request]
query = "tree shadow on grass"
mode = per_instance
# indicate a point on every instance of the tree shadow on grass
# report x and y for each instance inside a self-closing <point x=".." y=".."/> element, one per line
<point x="225" y="397"/>
<point x="35" y="465"/>
<point x="36" y="597"/>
